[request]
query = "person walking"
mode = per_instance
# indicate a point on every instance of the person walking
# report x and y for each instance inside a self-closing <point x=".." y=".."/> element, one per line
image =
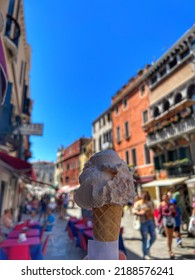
<point x="167" y="214"/>
<point x="144" y="208"/>
<point x="177" y="232"/>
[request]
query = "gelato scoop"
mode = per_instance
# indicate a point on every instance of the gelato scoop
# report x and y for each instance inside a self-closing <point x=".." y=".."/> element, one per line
<point x="106" y="179"/>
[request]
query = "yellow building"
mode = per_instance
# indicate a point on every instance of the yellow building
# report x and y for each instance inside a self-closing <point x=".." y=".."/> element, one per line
<point x="86" y="153"/>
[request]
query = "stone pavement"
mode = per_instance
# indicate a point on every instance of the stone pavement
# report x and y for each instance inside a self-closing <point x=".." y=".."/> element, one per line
<point x="60" y="247"/>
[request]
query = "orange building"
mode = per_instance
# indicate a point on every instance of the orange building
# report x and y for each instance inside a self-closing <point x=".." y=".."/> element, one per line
<point x="130" y="110"/>
<point x="71" y="164"/>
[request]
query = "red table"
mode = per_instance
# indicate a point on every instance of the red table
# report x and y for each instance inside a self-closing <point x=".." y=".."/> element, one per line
<point x="14" y="242"/>
<point x="88" y="233"/>
<point x="29" y="233"/>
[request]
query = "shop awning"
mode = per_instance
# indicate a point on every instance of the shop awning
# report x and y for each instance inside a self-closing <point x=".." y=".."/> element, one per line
<point x="166" y="182"/>
<point x="67" y="189"/>
<point x="17" y="165"/>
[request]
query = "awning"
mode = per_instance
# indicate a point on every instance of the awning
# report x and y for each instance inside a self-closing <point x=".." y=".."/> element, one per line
<point x="67" y="189"/>
<point x="166" y="182"/>
<point x="17" y="165"/>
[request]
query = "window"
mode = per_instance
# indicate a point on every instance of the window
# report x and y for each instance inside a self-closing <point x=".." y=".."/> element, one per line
<point x="109" y="117"/>
<point x="172" y="155"/>
<point x="94" y="145"/>
<point x="156" y="112"/>
<point x="159" y="161"/>
<point x="127" y="156"/>
<point x="173" y="62"/>
<point x="153" y="80"/>
<point x="163" y="72"/>
<point x="178" y="98"/>
<point x="125" y="103"/>
<point x="127" y="135"/>
<point x="116" y="109"/>
<point x="145" y="116"/>
<point x="67" y="179"/>
<point x="67" y="167"/>
<point x="94" y="128"/>
<point x="100" y="143"/>
<point x="166" y="105"/>
<point x="147" y="154"/>
<point x="185" y="53"/>
<point x="118" y="136"/>
<point x="142" y="90"/>
<point x="103" y="120"/>
<point x="134" y="157"/>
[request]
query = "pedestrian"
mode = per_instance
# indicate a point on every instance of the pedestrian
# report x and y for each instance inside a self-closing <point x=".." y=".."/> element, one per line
<point x="43" y="208"/>
<point x="52" y="204"/>
<point x="177" y="232"/>
<point x="179" y="196"/>
<point x="60" y="205"/>
<point x="7" y="222"/>
<point x="65" y="203"/>
<point x="50" y="220"/>
<point x="167" y="214"/>
<point x="170" y="192"/>
<point x="191" y="227"/>
<point x="144" y="208"/>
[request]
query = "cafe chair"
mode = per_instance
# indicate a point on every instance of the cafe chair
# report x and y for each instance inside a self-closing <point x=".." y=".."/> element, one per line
<point x="70" y="233"/>
<point x="83" y="242"/>
<point x="19" y="252"/>
<point x="45" y="244"/>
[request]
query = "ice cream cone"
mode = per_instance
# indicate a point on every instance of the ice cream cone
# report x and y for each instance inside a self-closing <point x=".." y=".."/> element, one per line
<point x="106" y="222"/>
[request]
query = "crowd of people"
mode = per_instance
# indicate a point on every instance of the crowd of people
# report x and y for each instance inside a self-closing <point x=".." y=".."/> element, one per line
<point x="167" y="217"/>
<point x="35" y="210"/>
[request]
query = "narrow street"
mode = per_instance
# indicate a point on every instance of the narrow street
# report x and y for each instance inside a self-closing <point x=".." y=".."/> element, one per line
<point x="61" y="247"/>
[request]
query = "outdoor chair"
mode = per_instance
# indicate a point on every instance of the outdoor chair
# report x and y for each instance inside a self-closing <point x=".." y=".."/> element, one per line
<point x="20" y="252"/>
<point x="83" y="242"/>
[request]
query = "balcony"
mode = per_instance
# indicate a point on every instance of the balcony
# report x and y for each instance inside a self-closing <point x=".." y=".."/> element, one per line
<point x="179" y="168"/>
<point x="177" y="108"/>
<point x="107" y="145"/>
<point x="12" y="35"/>
<point x="175" y="130"/>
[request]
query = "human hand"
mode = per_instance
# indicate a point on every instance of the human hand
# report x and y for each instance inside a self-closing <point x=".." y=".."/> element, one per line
<point x="122" y="256"/>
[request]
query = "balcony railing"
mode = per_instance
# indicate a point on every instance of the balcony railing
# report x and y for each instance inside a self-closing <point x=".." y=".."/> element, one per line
<point x="12" y="35"/>
<point x="185" y="126"/>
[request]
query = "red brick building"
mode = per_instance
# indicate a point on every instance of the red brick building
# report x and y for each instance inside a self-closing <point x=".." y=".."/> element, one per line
<point x="130" y="110"/>
<point x="71" y="163"/>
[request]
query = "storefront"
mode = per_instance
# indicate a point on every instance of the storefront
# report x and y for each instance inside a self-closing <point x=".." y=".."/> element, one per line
<point x="157" y="188"/>
<point x="13" y="173"/>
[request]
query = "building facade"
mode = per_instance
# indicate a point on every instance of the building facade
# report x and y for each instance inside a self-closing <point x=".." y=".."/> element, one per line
<point x="44" y="171"/>
<point x="71" y="163"/>
<point x="86" y="153"/>
<point x="129" y="112"/>
<point x="15" y="104"/>
<point x="171" y="127"/>
<point x="58" y="175"/>
<point x="102" y="132"/>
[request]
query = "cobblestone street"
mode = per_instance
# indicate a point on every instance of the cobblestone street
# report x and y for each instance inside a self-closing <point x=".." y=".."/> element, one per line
<point x="61" y="247"/>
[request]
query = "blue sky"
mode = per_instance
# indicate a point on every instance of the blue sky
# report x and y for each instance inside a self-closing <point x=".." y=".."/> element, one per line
<point x="84" y="51"/>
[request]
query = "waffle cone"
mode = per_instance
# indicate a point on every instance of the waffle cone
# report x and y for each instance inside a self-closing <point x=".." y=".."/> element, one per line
<point x="106" y="222"/>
